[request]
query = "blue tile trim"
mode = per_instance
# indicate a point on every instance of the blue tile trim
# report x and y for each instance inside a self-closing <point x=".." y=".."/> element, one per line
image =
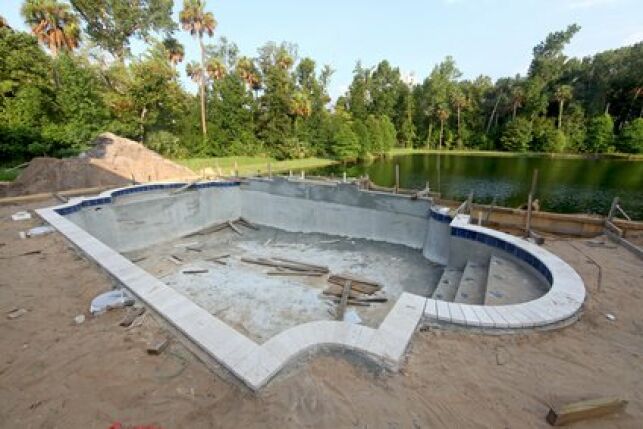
<point x="440" y="217"/>
<point x="98" y="201"/>
<point x="512" y="249"/>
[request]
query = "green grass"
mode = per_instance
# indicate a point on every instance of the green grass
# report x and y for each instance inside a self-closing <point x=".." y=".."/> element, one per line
<point x="472" y="152"/>
<point x="248" y="165"/>
<point x="8" y="174"/>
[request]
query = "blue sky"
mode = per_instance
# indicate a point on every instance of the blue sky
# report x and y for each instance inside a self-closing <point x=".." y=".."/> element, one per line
<point x="492" y="37"/>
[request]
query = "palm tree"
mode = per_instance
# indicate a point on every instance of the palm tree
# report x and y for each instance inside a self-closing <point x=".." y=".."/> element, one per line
<point x="443" y="115"/>
<point x="53" y="24"/>
<point x="195" y="72"/>
<point x="562" y="94"/>
<point x="216" y="69"/>
<point x="248" y="72"/>
<point x="175" y="51"/>
<point x="284" y="60"/>
<point x="197" y="21"/>
<point x="300" y="105"/>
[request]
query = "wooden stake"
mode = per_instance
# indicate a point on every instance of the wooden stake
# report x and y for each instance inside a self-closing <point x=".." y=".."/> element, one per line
<point x="343" y="301"/>
<point x="397" y="178"/>
<point x="584" y="410"/>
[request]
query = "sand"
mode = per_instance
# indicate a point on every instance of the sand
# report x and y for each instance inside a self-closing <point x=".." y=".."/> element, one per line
<point x="112" y="161"/>
<point x="54" y="373"/>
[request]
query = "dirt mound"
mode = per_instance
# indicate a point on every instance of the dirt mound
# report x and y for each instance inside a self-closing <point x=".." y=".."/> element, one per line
<point x="112" y="161"/>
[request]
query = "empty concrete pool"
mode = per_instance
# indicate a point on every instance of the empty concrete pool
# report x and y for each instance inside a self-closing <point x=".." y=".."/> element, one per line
<point x="206" y="258"/>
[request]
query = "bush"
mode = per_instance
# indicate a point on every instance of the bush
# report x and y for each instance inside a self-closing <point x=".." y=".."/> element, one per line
<point x="600" y="134"/>
<point x="517" y="135"/>
<point x="166" y="144"/>
<point x="631" y="139"/>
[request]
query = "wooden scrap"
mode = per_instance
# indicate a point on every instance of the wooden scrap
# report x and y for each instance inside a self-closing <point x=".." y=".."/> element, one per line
<point x="307" y="265"/>
<point x="194" y="249"/>
<point x="336" y="290"/>
<point x="139" y="259"/>
<point x="157" y="346"/>
<point x="194" y="271"/>
<point x="185" y="187"/>
<point x="584" y="410"/>
<point x="356" y="279"/>
<point x="282" y="264"/>
<point x="14" y="314"/>
<point x="341" y="309"/>
<point x="295" y="273"/>
<point x="175" y="259"/>
<point x="355" y="302"/>
<point x="234" y="228"/>
<point x="131" y="316"/>
<point x="60" y="197"/>
<point x="367" y="288"/>
<point x="243" y="221"/>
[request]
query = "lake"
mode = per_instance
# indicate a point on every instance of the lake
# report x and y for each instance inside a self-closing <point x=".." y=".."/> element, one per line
<point x="564" y="185"/>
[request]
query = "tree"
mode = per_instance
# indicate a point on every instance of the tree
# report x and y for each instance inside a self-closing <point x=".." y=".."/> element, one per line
<point x="517" y="99"/>
<point x="111" y="24"/>
<point x="563" y="93"/>
<point x="460" y="102"/>
<point x="248" y="71"/>
<point x="443" y="114"/>
<point x="198" y="22"/>
<point x="600" y="134"/>
<point x="216" y="69"/>
<point x="358" y="94"/>
<point x="175" y="51"/>
<point x="53" y="24"/>
<point x="517" y="135"/>
<point x="631" y="139"/>
<point x="3" y="22"/>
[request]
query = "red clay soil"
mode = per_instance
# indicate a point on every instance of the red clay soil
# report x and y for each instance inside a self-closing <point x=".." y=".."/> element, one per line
<point x="112" y="161"/>
<point x="57" y="374"/>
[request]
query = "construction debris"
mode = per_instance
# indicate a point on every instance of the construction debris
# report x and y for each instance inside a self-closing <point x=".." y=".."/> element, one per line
<point x="131" y="315"/>
<point x="358" y="284"/>
<point x="79" y="319"/>
<point x="584" y="410"/>
<point x="31" y="252"/>
<point x="339" y="315"/>
<point x="295" y="273"/>
<point x="157" y="346"/>
<point x="194" y="271"/>
<point x="110" y="300"/>
<point x="40" y="230"/>
<point x="21" y="215"/>
<point x="287" y="264"/>
<point x="14" y="314"/>
<point x="234" y="228"/>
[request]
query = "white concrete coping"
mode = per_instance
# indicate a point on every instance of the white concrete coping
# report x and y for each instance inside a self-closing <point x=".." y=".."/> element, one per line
<point x="250" y="362"/>
<point x="563" y="300"/>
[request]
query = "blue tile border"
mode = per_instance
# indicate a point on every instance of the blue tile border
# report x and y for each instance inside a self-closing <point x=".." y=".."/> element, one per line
<point x="510" y="248"/>
<point x="443" y="218"/>
<point x="102" y="200"/>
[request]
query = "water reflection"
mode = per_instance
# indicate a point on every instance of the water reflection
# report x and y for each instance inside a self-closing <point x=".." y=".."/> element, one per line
<point x="564" y="185"/>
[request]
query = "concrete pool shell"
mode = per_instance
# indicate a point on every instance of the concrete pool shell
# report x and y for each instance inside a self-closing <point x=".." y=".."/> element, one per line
<point x="127" y="219"/>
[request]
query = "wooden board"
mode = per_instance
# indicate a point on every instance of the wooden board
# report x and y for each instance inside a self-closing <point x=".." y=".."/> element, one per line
<point x="356" y="279"/>
<point x="341" y="309"/>
<point x="583" y="410"/>
<point x="157" y="346"/>
<point x="358" y="287"/>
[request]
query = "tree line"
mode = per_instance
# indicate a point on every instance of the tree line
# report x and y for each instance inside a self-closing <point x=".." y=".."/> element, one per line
<point x="53" y="101"/>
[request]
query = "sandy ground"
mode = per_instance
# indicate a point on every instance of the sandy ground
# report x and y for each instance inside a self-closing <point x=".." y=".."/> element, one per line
<point x="55" y="374"/>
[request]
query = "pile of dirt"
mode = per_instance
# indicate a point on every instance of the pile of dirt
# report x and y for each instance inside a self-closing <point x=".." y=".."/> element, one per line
<point x="112" y="161"/>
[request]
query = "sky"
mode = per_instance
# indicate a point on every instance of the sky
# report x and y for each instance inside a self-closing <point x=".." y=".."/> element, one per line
<point x="491" y="37"/>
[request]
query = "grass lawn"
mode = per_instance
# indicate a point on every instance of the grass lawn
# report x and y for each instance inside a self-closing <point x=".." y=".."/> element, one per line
<point x="248" y="165"/>
<point x="8" y="174"/>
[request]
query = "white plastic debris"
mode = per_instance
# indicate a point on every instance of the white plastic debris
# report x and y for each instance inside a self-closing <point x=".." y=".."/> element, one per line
<point x="109" y="300"/>
<point x="21" y="216"/>
<point x="40" y="230"/>
<point x="79" y="319"/>
<point x="351" y="316"/>
<point x="610" y="317"/>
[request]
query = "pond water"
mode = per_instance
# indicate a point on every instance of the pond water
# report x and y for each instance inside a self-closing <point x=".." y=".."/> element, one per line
<point x="564" y="185"/>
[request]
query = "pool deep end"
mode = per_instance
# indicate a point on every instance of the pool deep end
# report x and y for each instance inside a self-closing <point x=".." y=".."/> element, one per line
<point x="137" y="217"/>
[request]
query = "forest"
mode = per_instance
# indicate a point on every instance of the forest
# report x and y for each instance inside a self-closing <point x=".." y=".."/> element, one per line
<point x="74" y="76"/>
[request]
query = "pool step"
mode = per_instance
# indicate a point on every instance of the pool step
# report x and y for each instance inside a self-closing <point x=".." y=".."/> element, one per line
<point x="473" y="284"/>
<point x="509" y="283"/>
<point x="448" y="285"/>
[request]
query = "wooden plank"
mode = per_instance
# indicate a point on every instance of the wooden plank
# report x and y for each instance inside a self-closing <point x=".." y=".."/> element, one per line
<point x="356" y="279"/>
<point x="312" y="267"/>
<point x="341" y="309"/>
<point x="247" y="223"/>
<point x="357" y="300"/>
<point x="358" y="287"/>
<point x="350" y="301"/>
<point x="584" y="410"/>
<point x="234" y="228"/>
<point x="131" y="316"/>
<point x="295" y="273"/>
<point x="194" y="271"/>
<point x="336" y="290"/>
<point x="157" y="346"/>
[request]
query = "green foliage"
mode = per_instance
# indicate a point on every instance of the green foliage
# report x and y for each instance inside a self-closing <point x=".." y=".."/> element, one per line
<point x="600" y="134"/>
<point x="166" y="144"/>
<point x="631" y="139"/>
<point x="517" y="135"/>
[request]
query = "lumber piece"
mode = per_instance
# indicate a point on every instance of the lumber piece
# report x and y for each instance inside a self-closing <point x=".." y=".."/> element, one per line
<point x="243" y="221"/>
<point x="131" y="316"/>
<point x="295" y="273"/>
<point x="358" y="287"/>
<point x="312" y="267"/>
<point x="583" y="410"/>
<point x="184" y="187"/>
<point x="336" y="290"/>
<point x="341" y="309"/>
<point x="157" y="346"/>
<point x="234" y="228"/>
<point x="354" y="302"/>
<point x="357" y="279"/>
<point x="194" y="271"/>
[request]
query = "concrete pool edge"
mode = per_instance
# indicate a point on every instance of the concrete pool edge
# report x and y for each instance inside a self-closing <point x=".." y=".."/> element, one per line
<point x="256" y="364"/>
<point x="250" y="362"/>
